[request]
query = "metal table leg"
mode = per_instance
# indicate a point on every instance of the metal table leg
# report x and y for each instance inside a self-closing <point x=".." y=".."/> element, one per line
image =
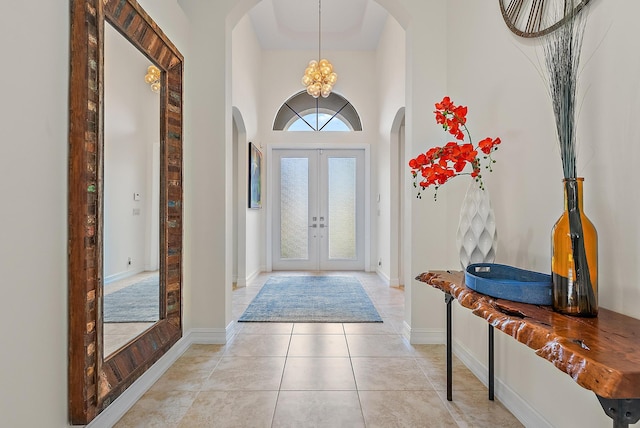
<point x="491" y="371"/>
<point x="623" y="411"/>
<point x="448" y="298"/>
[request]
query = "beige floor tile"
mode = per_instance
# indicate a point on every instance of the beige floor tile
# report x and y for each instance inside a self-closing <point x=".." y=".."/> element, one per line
<point x="474" y="409"/>
<point x="318" y="328"/>
<point x="318" y="346"/>
<point x="396" y="321"/>
<point x="244" y="298"/>
<point x="403" y="409"/>
<point x="391" y="310"/>
<point x="246" y="373"/>
<point x="231" y="409"/>
<point x="310" y="373"/>
<point x="264" y="328"/>
<point x="305" y="375"/>
<point x="258" y="345"/>
<point x="201" y="357"/>
<point x="203" y="350"/>
<point x="434" y="357"/>
<point x="463" y="379"/>
<point x="237" y="313"/>
<point x="182" y="378"/>
<point x="158" y="409"/>
<point x="431" y="352"/>
<point x="318" y="409"/>
<point x="369" y="328"/>
<point x="390" y="374"/>
<point x="375" y="345"/>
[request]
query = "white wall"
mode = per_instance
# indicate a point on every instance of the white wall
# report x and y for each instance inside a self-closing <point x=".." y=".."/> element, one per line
<point x="246" y="94"/>
<point x="390" y="75"/>
<point x="33" y="258"/>
<point x="425" y="241"/>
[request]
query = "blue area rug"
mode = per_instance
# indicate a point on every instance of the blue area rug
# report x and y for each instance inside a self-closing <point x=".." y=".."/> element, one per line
<point x="311" y="299"/>
<point x="139" y="302"/>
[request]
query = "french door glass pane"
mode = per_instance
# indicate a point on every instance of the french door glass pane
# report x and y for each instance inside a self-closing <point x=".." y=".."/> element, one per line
<point x="294" y="208"/>
<point x="342" y="208"/>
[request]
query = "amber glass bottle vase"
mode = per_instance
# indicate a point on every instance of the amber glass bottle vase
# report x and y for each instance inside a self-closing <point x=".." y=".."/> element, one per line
<point x="574" y="256"/>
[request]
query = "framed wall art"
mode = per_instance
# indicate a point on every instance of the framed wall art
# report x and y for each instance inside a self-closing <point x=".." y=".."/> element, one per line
<point x="255" y="178"/>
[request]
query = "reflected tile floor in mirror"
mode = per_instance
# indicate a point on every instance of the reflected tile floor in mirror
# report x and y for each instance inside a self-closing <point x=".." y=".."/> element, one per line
<point x="317" y="375"/>
<point x="118" y="334"/>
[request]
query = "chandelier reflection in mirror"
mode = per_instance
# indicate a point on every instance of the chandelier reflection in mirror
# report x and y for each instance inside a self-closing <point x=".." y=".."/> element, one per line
<point x="153" y="78"/>
<point x="319" y="76"/>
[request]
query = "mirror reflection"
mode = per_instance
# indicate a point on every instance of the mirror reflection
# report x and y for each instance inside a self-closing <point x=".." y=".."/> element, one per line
<point x="131" y="253"/>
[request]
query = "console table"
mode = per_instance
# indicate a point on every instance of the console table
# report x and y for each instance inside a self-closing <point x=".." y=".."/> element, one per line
<point x="601" y="354"/>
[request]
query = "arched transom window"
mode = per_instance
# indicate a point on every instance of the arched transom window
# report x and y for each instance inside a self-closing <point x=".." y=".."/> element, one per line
<point x="302" y="112"/>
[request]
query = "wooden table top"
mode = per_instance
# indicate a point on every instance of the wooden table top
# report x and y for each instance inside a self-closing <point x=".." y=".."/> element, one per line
<point x="601" y="354"/>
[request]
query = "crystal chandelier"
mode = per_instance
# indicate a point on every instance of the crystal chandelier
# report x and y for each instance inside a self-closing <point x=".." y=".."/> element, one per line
<point x="153" y="78"/>
<point x="319" y="76"/>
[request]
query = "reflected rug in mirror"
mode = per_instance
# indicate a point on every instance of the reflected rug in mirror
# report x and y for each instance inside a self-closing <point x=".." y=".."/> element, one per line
<point x="139" y="302"/>
<point x="333" y="299"/>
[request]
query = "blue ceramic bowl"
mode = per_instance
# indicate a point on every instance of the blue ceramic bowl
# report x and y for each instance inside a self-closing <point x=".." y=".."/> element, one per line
<point x="508" y="282"/>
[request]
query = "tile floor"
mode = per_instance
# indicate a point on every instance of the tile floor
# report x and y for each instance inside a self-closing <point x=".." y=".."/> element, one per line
<point x="317" y="375"/>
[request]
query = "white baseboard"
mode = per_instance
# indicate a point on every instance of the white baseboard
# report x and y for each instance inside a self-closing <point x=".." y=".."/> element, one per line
<point x="243" y="282"/>
<point x="383" y="276"/>
<point x="207" y="336"/>
<point x="253" y="276"/>
<point x="526" y="414"/>
<point x="391" y="282"/>
<point x="240" y="282"/>
<point x="426" y="336"/>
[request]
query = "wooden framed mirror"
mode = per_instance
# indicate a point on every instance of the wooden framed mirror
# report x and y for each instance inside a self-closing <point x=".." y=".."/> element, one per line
<point x="96" y="379"/>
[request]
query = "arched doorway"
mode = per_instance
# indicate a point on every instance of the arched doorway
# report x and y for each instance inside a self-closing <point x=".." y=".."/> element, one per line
<point x="239" y="144"/>
<point x="397" y="176"/>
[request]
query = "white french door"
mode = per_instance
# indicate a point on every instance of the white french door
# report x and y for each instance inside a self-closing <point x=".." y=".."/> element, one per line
<point x="318" y="211"/>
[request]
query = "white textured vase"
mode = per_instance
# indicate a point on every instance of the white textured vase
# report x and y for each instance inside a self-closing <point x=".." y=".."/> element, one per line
<point x="477" y="237"/>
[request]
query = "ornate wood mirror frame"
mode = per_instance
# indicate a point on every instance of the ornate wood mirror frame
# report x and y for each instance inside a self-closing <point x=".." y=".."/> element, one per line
<point x="94" y="382"/>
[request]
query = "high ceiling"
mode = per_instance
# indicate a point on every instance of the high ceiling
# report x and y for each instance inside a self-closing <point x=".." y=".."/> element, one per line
<point x="293" y="24"/>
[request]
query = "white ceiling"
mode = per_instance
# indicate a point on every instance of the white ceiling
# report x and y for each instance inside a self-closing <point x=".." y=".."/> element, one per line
<point x="293" y="24"/>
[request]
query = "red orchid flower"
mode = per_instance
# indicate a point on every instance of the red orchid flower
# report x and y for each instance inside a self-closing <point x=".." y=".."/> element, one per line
<point x="487" y="145"/>
<point x="439" y="164"/>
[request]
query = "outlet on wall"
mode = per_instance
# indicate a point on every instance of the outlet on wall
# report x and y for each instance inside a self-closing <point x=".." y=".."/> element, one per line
<point x="129" y="261"/>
